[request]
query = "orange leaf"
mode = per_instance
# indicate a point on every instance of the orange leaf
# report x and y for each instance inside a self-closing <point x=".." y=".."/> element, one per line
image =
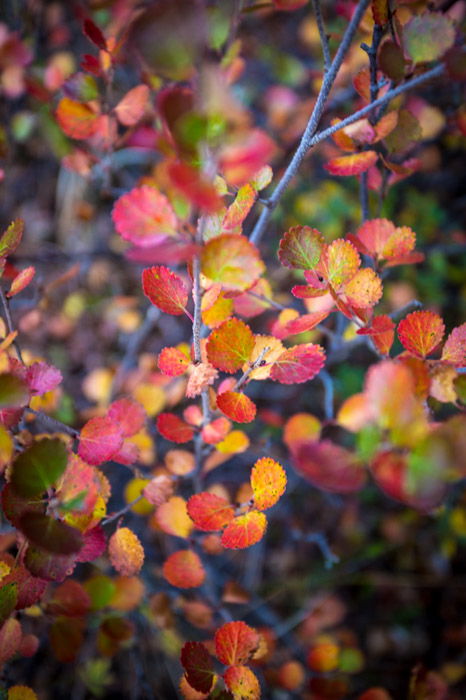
<point x="21" y="281"/>
<point x="144" y="216"/>
<point x="235" y="643"/>
<point x="236" y="406"/>
<point x="232" y="260"/>
<point x="131" y="108"/>
<point x="268" y="482"/>
<point x="172" y="517"/>
<point x="195" y="187"/>
<point x="364" y="289"/>
<point x="354" y="164"/>
<point x="209" y="511"/>
<point x="165" y="289"/>
<point x="243" y="158"/>
<point x="173" y="362"/>
<point x="454" y="350"/>
<point x="76" y="119"/>
<point x="126" y="552"/>
<point x="298" y="364"/>
<point x="184" y="569"/>
<point x="299" y="428"/>
<point x="216" y="431"/>
<point x="244" y="530"/>
<point x="382" y="332"/>
<point x="420" y="332"/>
<point x="342" y="139"/>
<point x="338" y="264"/>
<point x="242" y="682"/>
<point x="230" y="345"/>
<point x="239" y="210"/>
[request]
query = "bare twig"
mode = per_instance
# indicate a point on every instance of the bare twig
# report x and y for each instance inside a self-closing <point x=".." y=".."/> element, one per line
<point x="323" y="34"/>
<point x="327" y="383"/>
<point x="312" y="124"/>
<point x="53" y="423"/>
<point x="9" y="322"/>
<point x="257" y="362"/>
<point x="123" y="511"/>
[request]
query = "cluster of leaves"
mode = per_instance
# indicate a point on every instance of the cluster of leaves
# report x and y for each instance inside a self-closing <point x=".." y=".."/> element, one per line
<point x="186" y="221"/>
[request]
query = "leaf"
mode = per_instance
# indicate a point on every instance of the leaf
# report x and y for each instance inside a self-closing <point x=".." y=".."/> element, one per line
<point x="21" y="692"/>
<point x="42" y="377"/>
<point x="301" y="324"/>
<point x="329" y="466"/>
<point x="173" y="362"/>
<point x="52" y="535"/>
<point x="428" y="36"/>
<point x="49" y="566"/>
<point x="129" y="415"/>
<point x="391" y="60"/>
<point x="209" y="511"/>
<point x="382" y="332"/>
<point x="10" y="639"/>
<point x="126" y="552"/>
<point x="339" y="263"/>
<point x="268" y="482"/>
<point x="184" y="569"/>
<point x="8" y="600"/>
<point x="132" y="106"/>
<point x="241" y="159"/>
<point x="301" y="247"/>
<point x="172" y="517"/>
<point x="11" y="238"/>
<point x="144" y="216"/>
<point x="69" y="599"/>
<point x="244" y="530"/>
<point x="171" y="427"/>
<point x="298" y="364"/>
<point x="238" y="211"/>
<point x="364" y="290"/>
<point x="230" y="345"/>
<point x="406" y="133"/>
<point x="232" y="260"/>
<point x="242" y="682"/>
<point x="29" y="588"/>
<point x="201" y="376"/>
<point x="420" y="332"/>
<point x="270" y="349"/>
<point x="94" y="34"/>
<point x="383" y="241"/>
<point x="235" y="643"/>
<point x="454" y="350"/>
<point x="95" y="544"/>
<point x="165" y="290"/>
<point x="66" y="638"/>
<point x="14" y="391"/>
<point x="354" y="164"/>
<point x="236" y="406"/>
<point x="198" y="666"/>
<point x="21" y="281"/>
<point x="195" y="187"/>
<point x="99" y="440"/>
<point x="77" y="119"/>
<point x="300" y="428"/>
<point x="380" y="11"/>
<point x="38" y="467"/>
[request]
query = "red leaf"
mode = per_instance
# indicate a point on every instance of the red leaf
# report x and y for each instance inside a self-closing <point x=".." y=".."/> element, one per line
<point x="235" y="643"/>
<point x="198" y="666"/>
<point x="173" y="428"/>
<point x="173" y="362"/>
<point x="131" y="108"/>
<point x="210" y="512"/>
<point x="184" y="569"/>
<point x="165" y="289"/>
<point x="191" y="183"/>
<point x="329" y="466"/>
<point x="144" y="216"/>
<point x="301" y="247"/>
<point x="298" y="364"/>
<point x="94" y="34"/>
<point x="354" y="164"/>
<point x="237" y="406"/>
<point x="303" y="323"/>
<point x="69" y="599"/>
<point x="454" y="350"/>
<point x="42" y="377"/>
<point x="382" y="332"/>
<point x="94" y="545"/>
<point x="21" y="281"/>
<point x="216" y="431"/>
<point x="128" y="415"/>
<point x="230" y="345"/>
<point x="99" y="440"/>
<point x="420" y="332"/>
<point x="243" y="158"/>
<point x="244" y="530"/>
<point x="240" y="680"/>
<point x="268" y="482"/>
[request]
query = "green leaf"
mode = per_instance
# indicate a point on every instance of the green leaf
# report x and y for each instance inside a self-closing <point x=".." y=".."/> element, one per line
<point x="11" y="238"/>
<point x="38" y="467"/>
<point x="14" y="392"/>
<point x="428" y="36"/>
<point x="8" y="600"/>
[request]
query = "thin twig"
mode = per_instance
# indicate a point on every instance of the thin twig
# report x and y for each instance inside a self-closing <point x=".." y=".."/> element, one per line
<point x="327" y="383"/>
<point x="9" y="322"/>
<point x="53" y="422"/>
<point x="312" y="124"/>
<point x="123" y="511"/>
<point x="323" y="34"/>
<point x="257" y="363"/>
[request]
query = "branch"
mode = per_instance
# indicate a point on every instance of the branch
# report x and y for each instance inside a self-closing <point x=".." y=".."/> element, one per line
<point x="312" y="124"/>
<point x="9" y="322"/>
<point x="323" y="34"/>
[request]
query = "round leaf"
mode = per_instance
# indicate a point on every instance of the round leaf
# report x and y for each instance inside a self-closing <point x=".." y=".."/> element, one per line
<point x="268" y="482"/>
